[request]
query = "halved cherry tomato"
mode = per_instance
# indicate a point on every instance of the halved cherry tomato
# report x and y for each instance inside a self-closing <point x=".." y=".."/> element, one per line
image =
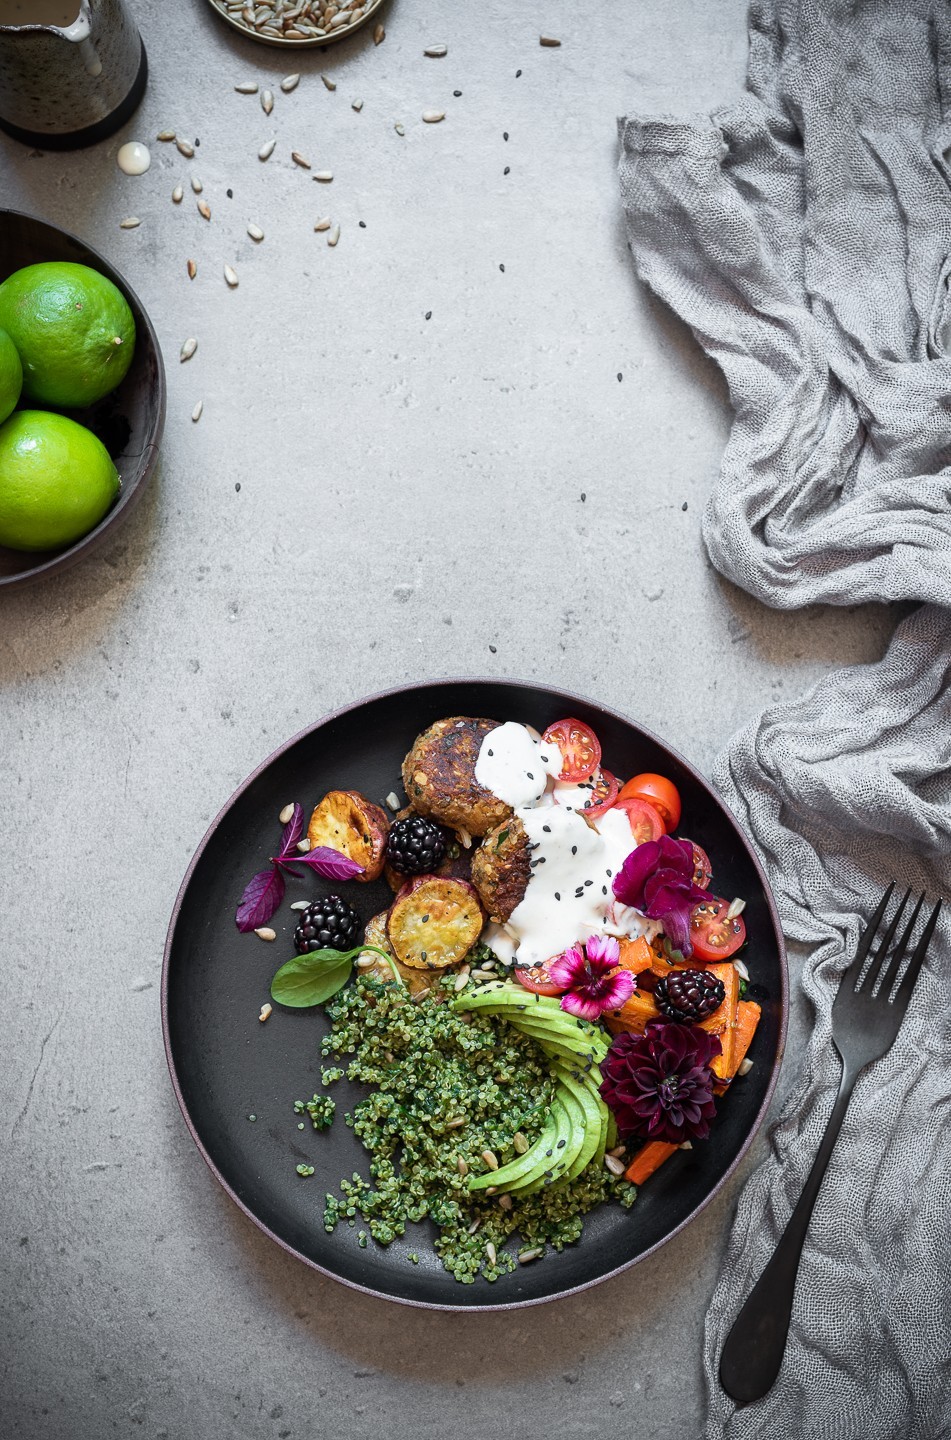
<point x="658" y="791"/>
<point x="536" y="978"/>
<point x="702" y="869"/>
<point x="646" y="822"/>
<point x="603" y="794"/>
<point x="712" y="935"/>
<point x="579" y="746"/>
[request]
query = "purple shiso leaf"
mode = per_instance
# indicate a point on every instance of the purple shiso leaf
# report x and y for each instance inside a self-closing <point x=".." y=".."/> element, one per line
<point x="292" y="832"/>
<point x="330" y="863"/>
<point x="262" y="895"/>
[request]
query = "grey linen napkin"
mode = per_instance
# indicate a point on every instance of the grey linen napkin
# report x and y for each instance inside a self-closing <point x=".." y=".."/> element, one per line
<point x="805" y="236"/>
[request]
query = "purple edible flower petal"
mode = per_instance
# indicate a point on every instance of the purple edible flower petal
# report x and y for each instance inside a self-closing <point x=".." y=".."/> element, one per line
<point x="659" y="1085"/>
<point x="262" y="895"/>
<point x="657" y="879"/>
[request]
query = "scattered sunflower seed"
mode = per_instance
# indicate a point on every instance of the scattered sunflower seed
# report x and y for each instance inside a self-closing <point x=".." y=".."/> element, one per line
<point x="462" y="979"/>
<point x="324" y="176"/>
<point x="256" y="232"/>
<point x="247" y="87"/>
<point x="196" y="413"/>
<point x="456" y="1121"/>
<point x="300" y="904"/>
<point x="330" y="84"/>
<point x="188" y="349"/>
<point x="334" y="235"/>
<point x="197" y="186"/>
<point x="192" y="269"/>
<point x="266" y="1010"/>
<point x="490" y="1159"/>
<point x="618" y="1151"/>
<point x="548" y="42"/>
<point x="490" y="1252"/>
<point x="474" y="1226"/>
<point x="185" y="149"/>
<point x="746" y="1065"/>
<point x="613" y="1164"/>
<point x="392" y="801"/>
<point x="436" y="52"/>
<point x="267" y="101"/>
<point x="505" y="1202"/>
<point x="524" y="1256"/>
<point x="267" y="150"/>
<point x="519" y="1143"/>
<point x="433" y="117"/>
<point x="461" y="1165"/>
<point x="131" y="222"/>
<point x="289" y="83"/>
<point x="264" y="932"/>
<point x="177" y="195"/>
<point x="399" y="129"/>
<point x="356" y="105"/>
<point x="231" y="277"/>
<point x="300" y="160"/>
<point x="737" y="907"/>
<point x="165" y="135"/>
<point x="204" y="210"/>
<point x="365" y="961"/>
<point x="324" y="224"/>
<point x="303" y="845"/>
<point x="379" y="34"/>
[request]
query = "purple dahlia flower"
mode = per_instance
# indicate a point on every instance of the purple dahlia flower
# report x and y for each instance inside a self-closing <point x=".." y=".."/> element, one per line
<point x="659" y="1085"/>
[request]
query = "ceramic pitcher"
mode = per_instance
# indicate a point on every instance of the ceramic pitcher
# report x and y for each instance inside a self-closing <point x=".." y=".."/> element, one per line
<point x="71" y="71"/>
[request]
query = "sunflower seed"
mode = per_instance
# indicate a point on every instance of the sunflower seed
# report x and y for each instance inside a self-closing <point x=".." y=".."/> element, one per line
<point x="177" y="195"/>
<point x="548" y="42"/>
<point x="339" y="20"/>
<point x="300" y="160"/>
<point x="685" y="1146"/>
<point x="266" y="1010"/>
<point x="323" y="224"/>
<point x="483" y="975"/>
<point x="192" y="269"/>
<point x="399" y="129"/>
<point x="300" y="904"/>
<point x="267" y="102"/>
<point x="324" y="176"/>
<point x="303" y="845"/>
<point x="365" y="961"/>
<point x="456" y="1120"/>
<point x="736" y="908"/>
<point x="330" y="84"/>
<point x="289" y="83"/>
<point x="379" y="34"/>
<point x="165" y="135"/>
<point x="267" y="150"/>
<point x="461" y="1165"/>
<point x="247" y="87"/>
<point x="617" y="1151"/>
<point x="505" y="1202"/>
<point x="334" y="235"/>
<point x="196" y="413"/>
<point x="745" y="1066"/>
<point x="490" y="1159"/>
<point x="255" y="232"/>
<point x="524" y="1256"/>
<point x="613" y="1164"/>
<point x="204" y="210"/>
<point x="462" y="979"/>
<point x="740" y="967"/>
<point x="392" y="801"/>
<point x="188" y="349"/>
<point x="132" y="222"/>
<point x="185" y="149"/>
<point x="436" y="52"/>
<point x="474" y="1226"/>
<point x="433" y="117"/>
<point x="264" y="932"/>
<point x="519" y="1143"/>
<point x="197" y="186"/>
<point x="356" y="105"/>
<point x="231" y="277"/>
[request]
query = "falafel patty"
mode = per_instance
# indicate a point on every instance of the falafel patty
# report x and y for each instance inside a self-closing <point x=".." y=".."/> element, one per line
<point x="439" y="776"/>
<point x="501" y="869"/>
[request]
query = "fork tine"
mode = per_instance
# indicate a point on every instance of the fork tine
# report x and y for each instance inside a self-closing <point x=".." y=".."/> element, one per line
<point x="878" y="959"/>
<point x="903" y="994"/>
<point x="888" y="976"/>
<point x="865" y="943"/>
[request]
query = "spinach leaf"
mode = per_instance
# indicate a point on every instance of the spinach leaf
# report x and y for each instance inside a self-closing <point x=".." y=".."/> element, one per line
<point x="313" y="978"/>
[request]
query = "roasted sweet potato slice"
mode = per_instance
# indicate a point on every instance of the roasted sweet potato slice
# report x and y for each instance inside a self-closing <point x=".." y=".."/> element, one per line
<point x="346" y="821"/>
<point x="376" y="934"/>
<point x="434" y="922"/>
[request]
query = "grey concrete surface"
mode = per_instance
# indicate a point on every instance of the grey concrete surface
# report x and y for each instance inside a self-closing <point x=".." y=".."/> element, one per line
<point x="473" y="493"/>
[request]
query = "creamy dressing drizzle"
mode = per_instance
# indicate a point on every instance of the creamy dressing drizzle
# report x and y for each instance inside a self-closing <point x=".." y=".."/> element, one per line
<point x="569" y="895"/>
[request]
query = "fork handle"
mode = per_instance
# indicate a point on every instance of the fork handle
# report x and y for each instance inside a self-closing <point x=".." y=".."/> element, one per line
<point x="754" y="1348"/>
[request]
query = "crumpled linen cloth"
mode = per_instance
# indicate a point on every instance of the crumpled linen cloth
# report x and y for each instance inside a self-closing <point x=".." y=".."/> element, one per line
<point x="805" y="236"/>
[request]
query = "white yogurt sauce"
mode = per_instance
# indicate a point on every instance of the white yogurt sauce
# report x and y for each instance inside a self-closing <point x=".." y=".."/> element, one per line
<point x="569" y="895"/>
<point x="133" y="158"/>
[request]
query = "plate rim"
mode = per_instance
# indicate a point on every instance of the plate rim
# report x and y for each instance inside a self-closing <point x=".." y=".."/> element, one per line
<point x="758" y="1119"/>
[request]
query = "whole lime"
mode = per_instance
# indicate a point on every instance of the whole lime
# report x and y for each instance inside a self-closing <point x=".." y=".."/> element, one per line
<point x="11" y="376"/>
<point x="56" y="481"/>
<point x="73" y="329"/>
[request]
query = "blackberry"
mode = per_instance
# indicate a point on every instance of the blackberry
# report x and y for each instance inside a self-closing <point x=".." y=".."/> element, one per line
<point x="329" y="924"/>
<point x="688" y="995"/>
<point x="415" y="846"/>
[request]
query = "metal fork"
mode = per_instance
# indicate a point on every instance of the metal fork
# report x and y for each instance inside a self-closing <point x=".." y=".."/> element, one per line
<point x="865" y="1021"/>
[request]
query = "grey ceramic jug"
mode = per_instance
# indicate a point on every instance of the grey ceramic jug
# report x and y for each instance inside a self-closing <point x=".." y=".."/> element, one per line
<point x="71" y="71"/>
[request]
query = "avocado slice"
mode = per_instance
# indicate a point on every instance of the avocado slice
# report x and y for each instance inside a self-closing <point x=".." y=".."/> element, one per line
<point x="522" y="1165"/>
<point x="556" y="1157"/>
<point x="591" y="1121"/>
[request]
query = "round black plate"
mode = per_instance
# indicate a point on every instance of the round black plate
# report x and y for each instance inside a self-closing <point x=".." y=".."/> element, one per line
<point x="226" y="1065"/>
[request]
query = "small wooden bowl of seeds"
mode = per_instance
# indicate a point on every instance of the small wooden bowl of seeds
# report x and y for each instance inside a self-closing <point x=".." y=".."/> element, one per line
<point x="298" y="22"/>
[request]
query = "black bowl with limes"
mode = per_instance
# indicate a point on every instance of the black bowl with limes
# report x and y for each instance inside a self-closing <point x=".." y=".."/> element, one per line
<point x="128" y="421"/>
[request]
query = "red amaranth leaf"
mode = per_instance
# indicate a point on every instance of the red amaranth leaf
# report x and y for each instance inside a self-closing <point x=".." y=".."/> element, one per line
<point x="262" y="895"/>
<point x="330" y="863"/>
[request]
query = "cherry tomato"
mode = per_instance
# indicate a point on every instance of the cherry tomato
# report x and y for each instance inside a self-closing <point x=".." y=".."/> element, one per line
<point x="603" y="795"/>
<point x="536" y="978"/>
<point x="646" y="822"/>
<point x="580" y="750"/>
<point x="658" y="791"/>
<point x="702" y="869"/>
<point x="712" y="935"/>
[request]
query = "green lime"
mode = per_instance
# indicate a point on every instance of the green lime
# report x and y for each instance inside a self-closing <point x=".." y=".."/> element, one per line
<point x="56" y="481"/>
<point x="11" y="376"/>
<point x="73" y="329"/>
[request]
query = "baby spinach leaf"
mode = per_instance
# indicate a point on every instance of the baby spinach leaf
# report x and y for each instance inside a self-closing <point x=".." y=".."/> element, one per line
<point x="311" y="979"/>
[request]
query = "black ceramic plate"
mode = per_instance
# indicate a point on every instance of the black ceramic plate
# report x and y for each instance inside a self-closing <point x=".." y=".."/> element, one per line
<point x="225" y="1065"/>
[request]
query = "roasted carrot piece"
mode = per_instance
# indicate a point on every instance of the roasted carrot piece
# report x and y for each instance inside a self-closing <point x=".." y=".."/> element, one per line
<point x="747" y="1018"/>
<point x="649" y="1159"/>
<point x="633" y="1015"/>
<point x="636" y="955"/>
<point x="723" y="1020"/>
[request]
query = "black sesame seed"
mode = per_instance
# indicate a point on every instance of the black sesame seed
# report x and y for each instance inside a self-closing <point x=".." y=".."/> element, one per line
<point x="589" y="882"/>
<point x="517" y="74"/>
<point x="574" y="849"/>
<point x="428" y="315"/>
<point x="507" y="170"/>
<point x="494" y="651"/>
<point x="502" y="268"/>
<point x="684" y="505"/>
<point x="557" y="895"/>
<point x="457" y="93"/>
<point x="505" y="134"/>
<point x="547" y="829"/>
<point x="529" y="774"/>
<point x="583" y="497"/>
<point x="362" y="224"/>
<point x="490" y="752"/>
<point x="561" y="1145"/>
<point x="230" y="194"/>
<point x="237" y="485"/>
